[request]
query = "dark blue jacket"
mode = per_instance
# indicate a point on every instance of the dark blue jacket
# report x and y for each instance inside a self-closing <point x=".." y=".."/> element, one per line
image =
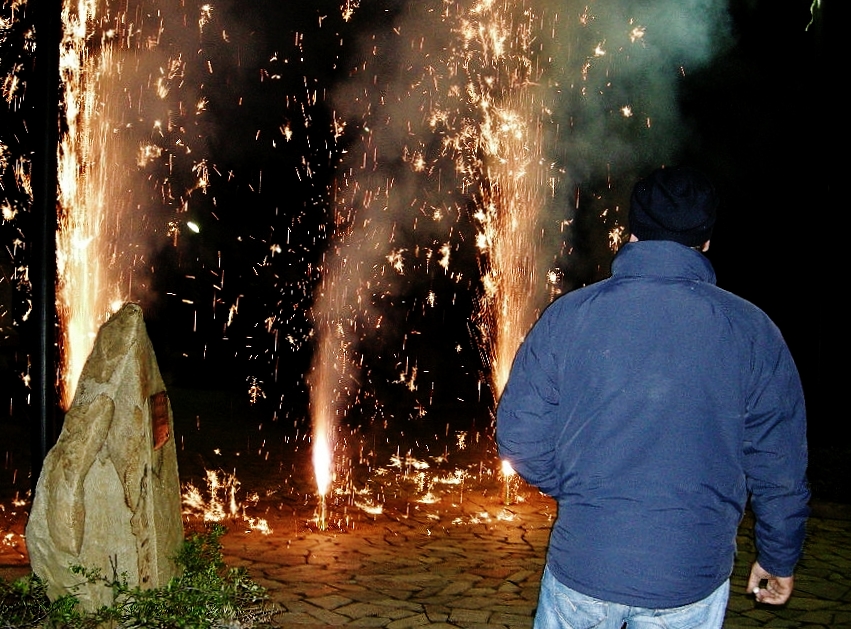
<point x="650" y="406"/>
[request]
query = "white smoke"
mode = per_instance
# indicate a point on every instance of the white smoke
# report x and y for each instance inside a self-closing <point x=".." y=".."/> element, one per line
<point x="595" y="85"/>
<point x="619" y="67"/>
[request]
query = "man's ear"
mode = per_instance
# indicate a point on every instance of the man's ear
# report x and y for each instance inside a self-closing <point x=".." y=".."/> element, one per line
<point x="705" y="246"/>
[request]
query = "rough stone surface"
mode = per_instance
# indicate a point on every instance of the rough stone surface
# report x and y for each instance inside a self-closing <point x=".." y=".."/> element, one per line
<point x="108" y="497"/>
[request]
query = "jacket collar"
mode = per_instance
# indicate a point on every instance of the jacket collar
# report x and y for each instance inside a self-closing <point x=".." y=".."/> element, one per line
<point x="662" y="258"/>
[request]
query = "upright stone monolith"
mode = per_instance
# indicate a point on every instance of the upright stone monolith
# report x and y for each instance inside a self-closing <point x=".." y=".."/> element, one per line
<point x="108" y="496"/>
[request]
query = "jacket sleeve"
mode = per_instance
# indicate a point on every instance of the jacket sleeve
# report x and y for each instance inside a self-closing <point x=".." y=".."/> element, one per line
<point x="526" y="414"/>
<point x="775" y="455"/>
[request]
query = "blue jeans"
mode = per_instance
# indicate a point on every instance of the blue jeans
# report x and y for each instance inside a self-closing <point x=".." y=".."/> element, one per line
<point x="559" y="607"/>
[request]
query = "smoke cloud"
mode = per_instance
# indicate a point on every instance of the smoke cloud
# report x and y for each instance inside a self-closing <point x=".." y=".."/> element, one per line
<point x="480" y="116"/>
<point x="619" y="67"/>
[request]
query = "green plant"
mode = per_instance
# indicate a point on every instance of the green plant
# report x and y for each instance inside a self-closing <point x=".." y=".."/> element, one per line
<point x="207" y="595"/>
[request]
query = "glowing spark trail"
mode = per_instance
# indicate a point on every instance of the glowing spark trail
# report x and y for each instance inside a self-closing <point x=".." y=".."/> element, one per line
<point x="85" y="175"/>
<point x="504" y="82"/>
<point x="323" y="424"/>
<point x="476" y="130"/>
<point x="98" y="235"/>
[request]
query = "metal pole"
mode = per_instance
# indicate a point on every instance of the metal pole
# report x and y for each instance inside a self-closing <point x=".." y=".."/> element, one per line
<point x="47" y="18"/>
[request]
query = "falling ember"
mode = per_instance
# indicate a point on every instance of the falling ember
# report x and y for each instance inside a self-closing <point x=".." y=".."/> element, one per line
<point x="636" y="33"/>
<point x="616" y="237"/>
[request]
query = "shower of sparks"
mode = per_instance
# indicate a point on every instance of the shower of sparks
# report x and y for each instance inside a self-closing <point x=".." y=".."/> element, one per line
<point x="223" y="501"/>
<point x="17" y="48"/>
<point x="475" y="124"/>
<point x="616" y="237"/>
<point x="508" y="474"/>
<point x="507" y="470"/>
<point x="460" y="143"/>
<point x="84" y="179"/>
<point x="432" y="485"/>
<point x="98" y="154"/>
<point x="418" y="182"/>
<point x="504" y="82"/>
<point x="255" y="390"/>
<point x="323" y="423"/>
<point x="348" y="8"/>
<point x="322" y="462"/>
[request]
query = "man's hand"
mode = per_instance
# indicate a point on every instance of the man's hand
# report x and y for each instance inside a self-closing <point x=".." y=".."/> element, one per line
<point x="776" y="590"/>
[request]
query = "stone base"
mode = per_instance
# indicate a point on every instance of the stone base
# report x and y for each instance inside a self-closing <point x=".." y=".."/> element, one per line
<point x="108" y="497"/>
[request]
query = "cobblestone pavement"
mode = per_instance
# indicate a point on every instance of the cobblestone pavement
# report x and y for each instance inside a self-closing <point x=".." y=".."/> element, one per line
<point x="411" y="552"/>
<point x="477" y="565"/>
<point x="471" y="563"/>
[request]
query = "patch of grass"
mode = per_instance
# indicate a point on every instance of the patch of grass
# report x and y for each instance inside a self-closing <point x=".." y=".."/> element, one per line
<point x="207" y="595"/>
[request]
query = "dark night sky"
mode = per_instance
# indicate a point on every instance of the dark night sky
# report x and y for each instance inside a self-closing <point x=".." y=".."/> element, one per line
<point x="766" y="112"/>
<point x="760" y="116"/>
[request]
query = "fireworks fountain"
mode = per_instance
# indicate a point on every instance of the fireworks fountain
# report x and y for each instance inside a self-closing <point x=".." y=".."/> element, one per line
<point x="477" y="117"/>
<point x="323" y="418"/>
<point x="470" y="133"/>
<point x="114" y="76"/>
<point x="457" y="144"/>
<point x="87" y="167"/>
<point x="506" y="75"/>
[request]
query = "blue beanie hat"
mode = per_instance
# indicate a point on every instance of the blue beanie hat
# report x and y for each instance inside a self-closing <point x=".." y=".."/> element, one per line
<point x="678" y="204"/>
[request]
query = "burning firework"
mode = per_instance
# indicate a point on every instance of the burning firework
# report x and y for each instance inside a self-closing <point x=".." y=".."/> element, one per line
<point x="409" y="197"/>
<point x="323" y="466"/>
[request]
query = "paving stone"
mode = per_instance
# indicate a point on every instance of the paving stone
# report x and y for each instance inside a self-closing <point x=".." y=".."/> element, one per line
<point x="445" y="601"/>
<point x="825" y="617"/>
<point x="741" y="623"/>
<point x="330" y="618"/>
<point x="428" y="592"/>
<point x="520" y="607"/>
<point x="288" y="619"/>
<point x="332" y="601"/>
<point x="522" y="575"/>
<point x="369" y="621"/>
<point x="395" y="613"/>
<point x="311" y="589"/>
<point x="437" y="613"/>
<point x="462" y="615"/>
<point x="397" y="572"/>
<point x="419" y="620"/>
<point x="739" y="604"/>
<point x="512" y="620"/>
<point x="361" y="610"/>
<point x="456" y="587"/>
<point x="399" y="603"/>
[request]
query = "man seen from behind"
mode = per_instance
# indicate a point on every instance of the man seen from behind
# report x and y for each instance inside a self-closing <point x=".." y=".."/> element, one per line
<point x="652" y="406"/>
